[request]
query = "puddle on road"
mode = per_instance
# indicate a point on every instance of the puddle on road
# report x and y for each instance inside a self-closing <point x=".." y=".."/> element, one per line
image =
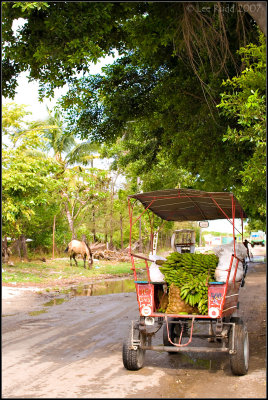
<point x="201" y="363"/>
<point x="191" y="362"/>
<point x="8" y="315"/>
<point x="34" y="313"/>
<point x="94" y="289"/>
<point x="103" y="288"/>
<point x="54" y="302"/>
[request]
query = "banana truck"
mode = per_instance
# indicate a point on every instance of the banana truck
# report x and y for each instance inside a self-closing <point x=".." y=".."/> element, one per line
<point x="225" y="331"/>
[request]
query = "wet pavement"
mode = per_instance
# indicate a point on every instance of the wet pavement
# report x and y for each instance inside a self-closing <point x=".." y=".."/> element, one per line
<point x="70" y="346"/>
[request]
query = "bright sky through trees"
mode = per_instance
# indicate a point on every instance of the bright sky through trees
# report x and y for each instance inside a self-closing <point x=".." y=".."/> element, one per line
<point x="27" y="93"/>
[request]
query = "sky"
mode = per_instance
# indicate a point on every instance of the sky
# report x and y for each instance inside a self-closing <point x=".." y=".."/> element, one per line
<point x="27" y="93"/>
<point x="222" y="225"/>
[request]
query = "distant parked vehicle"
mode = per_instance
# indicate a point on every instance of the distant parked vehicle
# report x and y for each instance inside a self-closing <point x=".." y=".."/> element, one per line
<point x="257" y="238"/>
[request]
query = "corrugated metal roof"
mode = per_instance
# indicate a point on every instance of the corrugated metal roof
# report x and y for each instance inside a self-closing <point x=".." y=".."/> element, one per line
<point x="189" y="204"/>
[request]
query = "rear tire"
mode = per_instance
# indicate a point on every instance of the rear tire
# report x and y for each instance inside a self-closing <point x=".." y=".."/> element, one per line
<point x="133" y="360"/>
<point x="239" y="360"/>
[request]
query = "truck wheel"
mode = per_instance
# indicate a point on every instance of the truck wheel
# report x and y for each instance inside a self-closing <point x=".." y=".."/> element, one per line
<point x="133" y="359"/>
<point x="239" y="360"/>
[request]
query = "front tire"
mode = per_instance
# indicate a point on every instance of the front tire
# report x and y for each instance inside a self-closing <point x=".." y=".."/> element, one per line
<point x="133" y="360"/>
<point x="239" y="361"/>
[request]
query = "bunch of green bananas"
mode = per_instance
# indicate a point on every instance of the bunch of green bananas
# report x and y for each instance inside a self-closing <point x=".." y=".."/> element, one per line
<point x="191" y="272"/>
<point x="196" y="291"/>
<point x="203" y="306"/>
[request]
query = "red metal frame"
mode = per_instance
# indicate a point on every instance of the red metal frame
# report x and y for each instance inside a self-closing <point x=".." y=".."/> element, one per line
<point x="219" y="295"/>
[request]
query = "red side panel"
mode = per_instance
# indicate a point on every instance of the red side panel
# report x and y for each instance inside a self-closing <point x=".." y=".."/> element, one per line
<point x="231" y="300"/>
<point x="215" y="300"/>
<point x="145" y="297"/>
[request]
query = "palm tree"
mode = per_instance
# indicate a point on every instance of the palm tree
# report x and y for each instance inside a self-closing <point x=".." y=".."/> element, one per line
<point x="83" y="153"/>
<point x="66" y="149"/>
<point x="68" y="152"/>
<point x="58" y="140"/>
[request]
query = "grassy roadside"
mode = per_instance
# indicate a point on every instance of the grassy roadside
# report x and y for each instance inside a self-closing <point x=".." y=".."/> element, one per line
<point x="58" y="271"/>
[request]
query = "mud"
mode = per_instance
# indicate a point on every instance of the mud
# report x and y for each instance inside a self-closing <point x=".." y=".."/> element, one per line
<point x="67" y="346"/>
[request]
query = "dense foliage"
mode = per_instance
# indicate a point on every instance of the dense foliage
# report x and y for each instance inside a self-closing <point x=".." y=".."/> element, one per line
<point x="155" y="109"/>
<point x="26" y="173"/>
<point x="244" y="103"/>
<point x="38" y="189"/>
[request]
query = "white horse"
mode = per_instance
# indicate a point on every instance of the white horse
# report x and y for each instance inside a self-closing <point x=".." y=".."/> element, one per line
<point x="76" y="247"/>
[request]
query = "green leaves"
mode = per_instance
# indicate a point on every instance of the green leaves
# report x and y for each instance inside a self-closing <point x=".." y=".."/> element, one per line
<point x="30" y="5"/>
<point x="58" y="40"/>
<point x="244" y="103"/>
<point x="26" y="171"/>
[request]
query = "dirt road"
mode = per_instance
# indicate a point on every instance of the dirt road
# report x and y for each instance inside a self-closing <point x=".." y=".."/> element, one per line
<point x="73" y="350"/>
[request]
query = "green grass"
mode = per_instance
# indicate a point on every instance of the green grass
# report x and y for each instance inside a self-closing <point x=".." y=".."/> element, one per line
<point x="56" y="270"/>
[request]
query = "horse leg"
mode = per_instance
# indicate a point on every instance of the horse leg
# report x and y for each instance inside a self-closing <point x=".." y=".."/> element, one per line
<point x="91" y="259"/>
<point x="75" y="260"/>
<point x="84" y="258"/>
<point x="70" y="260"/>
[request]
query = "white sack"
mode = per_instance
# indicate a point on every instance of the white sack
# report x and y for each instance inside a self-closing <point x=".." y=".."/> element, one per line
<point x="224" y="252"/>
<point x="155" y="273"/>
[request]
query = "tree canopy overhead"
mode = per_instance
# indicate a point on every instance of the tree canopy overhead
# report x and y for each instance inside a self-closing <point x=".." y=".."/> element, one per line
<point x="158" y="101"/>
<point x="61" y="39"/>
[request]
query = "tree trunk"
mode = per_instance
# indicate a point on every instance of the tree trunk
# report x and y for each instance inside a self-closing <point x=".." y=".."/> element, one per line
<point x="53" y="237"/>
<point x="111" y="216"/>
<point x="121" y="231"/>
<point x="70" y="221"/>
<point x="167" y="241"/>
<point x="257" y="10"/>
<point x="24" y="246"/>
<point x="111" y="211"/>
<point x="94" y="224"/>
<point x="5" y="255"/>
<point x="17" y="247"/>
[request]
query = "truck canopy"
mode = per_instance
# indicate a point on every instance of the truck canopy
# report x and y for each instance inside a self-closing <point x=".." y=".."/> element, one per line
<point x="190" y="205"/>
